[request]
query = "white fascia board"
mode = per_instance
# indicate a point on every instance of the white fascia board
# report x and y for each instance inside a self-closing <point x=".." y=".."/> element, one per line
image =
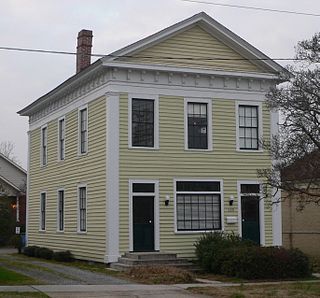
<point x="153" y="67"/>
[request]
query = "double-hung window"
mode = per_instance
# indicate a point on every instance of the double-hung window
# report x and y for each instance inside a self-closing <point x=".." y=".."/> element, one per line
<point x="143" y="122"/>
<point x="61" y="139"/>
<point x="83" y="131"/>
<point x="43" y="211"/>
<point x="198" y="124"/>
<point x="198" y="205"/>
<point x="44" y="145"/>
<point x="60" y="210"/>
<point x="82" y="212"/>
<point x="248" y="127"/>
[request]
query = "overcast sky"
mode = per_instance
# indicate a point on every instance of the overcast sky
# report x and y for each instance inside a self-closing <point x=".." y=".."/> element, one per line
<point x="54" y="24"/>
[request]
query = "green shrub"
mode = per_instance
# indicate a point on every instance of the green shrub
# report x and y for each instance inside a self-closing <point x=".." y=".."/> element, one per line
<point x="44" y="253"/>
<point x="229" y="255"/>
<point x="63" y="256"/>
<point x="210" y="249"/>
<point x="30" y="250"/>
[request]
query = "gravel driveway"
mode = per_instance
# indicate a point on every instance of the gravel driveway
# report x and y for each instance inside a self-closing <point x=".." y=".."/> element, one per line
<point x="57" y="274"/>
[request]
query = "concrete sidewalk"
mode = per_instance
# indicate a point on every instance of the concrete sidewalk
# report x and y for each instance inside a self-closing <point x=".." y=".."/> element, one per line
<point x="129" y="290"/>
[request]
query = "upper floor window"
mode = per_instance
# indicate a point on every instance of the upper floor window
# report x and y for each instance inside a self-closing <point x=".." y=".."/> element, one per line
<point x="198" y="124"/>
<point x="198" y="205"/>
<point x="61" y="139"/>
<point x="60" y="210"/>
<point x="83" y="130"/>
<point x="248" y="127"/>
<point x="44" y="145"/>
<point x="143" y="122"/>
<point x="82" y="211"/>
<point x="43" y="211"/>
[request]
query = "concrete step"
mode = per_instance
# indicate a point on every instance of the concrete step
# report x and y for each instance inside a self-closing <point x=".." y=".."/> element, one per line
<point x="151" y="262"/>
<point x="150" y="255"/>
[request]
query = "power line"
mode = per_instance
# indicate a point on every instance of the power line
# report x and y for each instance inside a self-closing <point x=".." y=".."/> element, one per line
<point x="255" y="8"/>
<point x="147" y="57"/>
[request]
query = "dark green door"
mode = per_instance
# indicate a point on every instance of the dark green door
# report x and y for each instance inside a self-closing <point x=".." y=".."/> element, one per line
<point x="143" y="223"/>
<point x="250" y="218"/>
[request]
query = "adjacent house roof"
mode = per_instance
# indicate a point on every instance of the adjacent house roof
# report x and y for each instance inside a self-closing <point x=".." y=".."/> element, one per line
<point x="12" y="175"/>
<point x="201" y="19"/>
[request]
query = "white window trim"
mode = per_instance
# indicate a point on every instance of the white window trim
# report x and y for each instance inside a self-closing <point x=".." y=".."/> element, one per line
<point x="155" y="98"/>
<point x="41" y="146"/>
<point x="260" y="124"/>
<point x="156" y="211"/>
<point x="221" y="193"/>
<point x="59" y="149"/>
<point x="209" y="115"/>
<point x="261" y="209"/>
<point x="58" y="190"/>
<point x="79" y="130"/>
<point x="40" y="215"/>
<point x="78" y="208"/>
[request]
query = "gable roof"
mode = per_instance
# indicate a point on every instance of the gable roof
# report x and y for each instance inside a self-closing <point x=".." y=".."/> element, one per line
<point x="212" y="27"/>
<point x="202" y="19"/>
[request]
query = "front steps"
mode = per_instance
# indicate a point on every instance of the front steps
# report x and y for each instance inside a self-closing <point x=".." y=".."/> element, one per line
<point x="132" y="259"/>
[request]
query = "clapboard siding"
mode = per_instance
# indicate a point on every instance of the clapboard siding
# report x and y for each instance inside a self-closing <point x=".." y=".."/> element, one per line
<point x="194" y="48"/>
<point x="172" y="161"/>
<point x="89" y="169"/>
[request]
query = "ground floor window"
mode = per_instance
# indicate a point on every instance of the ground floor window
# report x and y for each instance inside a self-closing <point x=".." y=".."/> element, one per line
<point x="82" y="193"/>
<point x="198" y="205"/>
<point x="43" y="211"/>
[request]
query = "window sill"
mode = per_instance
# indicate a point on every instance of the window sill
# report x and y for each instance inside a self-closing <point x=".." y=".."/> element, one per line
<point x="249" y="151"/>
<point x="144" y="148"/>
<point x="82" y="154"/>
<point x="197" y="232"/>
<point x="42" y="231"/>
<point x="60" y="232"/>
<point x="81" y="232"/>
<point x="198" y="150"/>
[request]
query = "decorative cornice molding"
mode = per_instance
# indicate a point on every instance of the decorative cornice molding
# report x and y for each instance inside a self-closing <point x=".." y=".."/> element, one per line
<point x="221" y="80"/>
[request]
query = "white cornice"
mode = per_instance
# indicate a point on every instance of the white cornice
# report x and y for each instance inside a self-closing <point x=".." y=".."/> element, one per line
<point x="153" y="75"/>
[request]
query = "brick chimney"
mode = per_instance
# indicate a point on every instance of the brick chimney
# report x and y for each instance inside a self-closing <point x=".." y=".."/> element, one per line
<point x="84" y="49"/>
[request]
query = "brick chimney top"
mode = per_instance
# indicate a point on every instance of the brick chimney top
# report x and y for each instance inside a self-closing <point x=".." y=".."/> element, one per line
<point x="84" y="49"/>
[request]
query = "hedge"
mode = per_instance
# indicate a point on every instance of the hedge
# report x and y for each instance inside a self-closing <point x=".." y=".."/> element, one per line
<point x="46" y="253"/>
<point x="229" y="255"/>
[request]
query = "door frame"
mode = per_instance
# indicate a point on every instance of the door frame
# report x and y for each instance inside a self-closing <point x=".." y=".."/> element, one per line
<point x="156" y="210"/>
<point x="261" y="209"/>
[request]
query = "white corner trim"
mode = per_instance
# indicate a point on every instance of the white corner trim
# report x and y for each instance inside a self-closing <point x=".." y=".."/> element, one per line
<point x="260" y="123"/>
<point x="112" y="180"/>
<point x="78" y="208"/>
<point x="261" y="209"/>
<point x="28" y="190"/>
<point x="153" y="97"/>
<point x="85" y="107"/>
<point x="209" y="115"/>
<point x="276" y="199"/>
<point x="156" y="211"/>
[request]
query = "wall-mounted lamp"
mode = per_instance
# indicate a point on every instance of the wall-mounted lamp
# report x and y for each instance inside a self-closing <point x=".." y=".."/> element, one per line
<point x="167" y="200"/>
<point x="231" y="200"/>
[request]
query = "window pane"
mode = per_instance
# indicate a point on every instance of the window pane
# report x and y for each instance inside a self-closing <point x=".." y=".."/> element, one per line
<point x="143" y="187"/>
<point x="248" y="127"/>
<point x="250" y="188"/>
<point x="197" y="126"/>
<point x="142" y="122"/>
<point x="198" y="212"/>
<point x="198" y="186"/>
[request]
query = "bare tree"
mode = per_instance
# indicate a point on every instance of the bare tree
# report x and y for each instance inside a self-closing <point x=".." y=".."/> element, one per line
<point x="7" y="149"/>
<point x="297" y="148"/>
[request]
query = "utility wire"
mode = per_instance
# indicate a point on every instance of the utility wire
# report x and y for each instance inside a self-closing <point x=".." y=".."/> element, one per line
<point x="147" y="57"/>
<point x="255" y="8"/>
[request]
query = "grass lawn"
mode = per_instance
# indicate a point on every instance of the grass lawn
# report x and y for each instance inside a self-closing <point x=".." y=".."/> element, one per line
<point x="22" y="295"/>
<point x="8" y="277"/>
<point x="301" y="290"/>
